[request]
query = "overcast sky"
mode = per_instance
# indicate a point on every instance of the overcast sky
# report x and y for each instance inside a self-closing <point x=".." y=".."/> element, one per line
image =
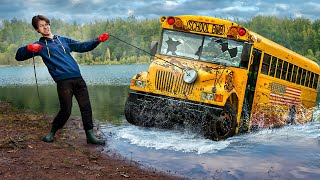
<point x="86" y="11"/>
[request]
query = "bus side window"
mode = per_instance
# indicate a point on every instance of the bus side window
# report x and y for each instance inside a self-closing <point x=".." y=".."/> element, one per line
<point x="315" y="81"/>
<point x="303" y="77"/>
<point x="284" y="70"/>
<point x="299" y="75"/>
<point x="279" y="68"/>
<point x="307" y="79"/>
<point x="265" y="64"/>
<point x="311" y="80"/>
<point x="289" y="72"/>
<point x="294" y="74"/>
<point x="273" y="66"/>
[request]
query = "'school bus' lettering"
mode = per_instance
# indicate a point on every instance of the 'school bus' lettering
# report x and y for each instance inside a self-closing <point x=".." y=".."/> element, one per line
<point x="221" y="78"/>
<point x="204" y="27"/>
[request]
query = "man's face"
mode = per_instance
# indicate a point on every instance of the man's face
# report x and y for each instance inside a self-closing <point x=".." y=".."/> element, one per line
<point x="44" y="28"/>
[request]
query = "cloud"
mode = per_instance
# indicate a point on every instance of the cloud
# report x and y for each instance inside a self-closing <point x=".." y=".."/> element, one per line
<point x="83" y="11"/>
<point x="170" y="5"/>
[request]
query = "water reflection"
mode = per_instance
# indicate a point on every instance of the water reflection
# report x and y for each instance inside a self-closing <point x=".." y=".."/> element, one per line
<point x="107" y="100"/>
<point x="108" y="89"/>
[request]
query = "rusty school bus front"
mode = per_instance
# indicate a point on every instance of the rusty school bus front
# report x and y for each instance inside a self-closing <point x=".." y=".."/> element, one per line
<point x="197" y="78"/>
<point x="218" y="78"/>
<point x="175" y="92"/>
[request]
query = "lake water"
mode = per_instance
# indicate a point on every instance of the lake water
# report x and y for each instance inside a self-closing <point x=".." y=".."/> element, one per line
<point x="292" y="152"/>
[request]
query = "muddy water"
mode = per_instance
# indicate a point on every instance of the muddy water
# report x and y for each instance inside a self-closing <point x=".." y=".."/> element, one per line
<point x="292" y="152"/>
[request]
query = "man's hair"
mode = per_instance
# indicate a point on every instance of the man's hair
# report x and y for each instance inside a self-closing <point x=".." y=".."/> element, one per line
<point x="38" y="18"/>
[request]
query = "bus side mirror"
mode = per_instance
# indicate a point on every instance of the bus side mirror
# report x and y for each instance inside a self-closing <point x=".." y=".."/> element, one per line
<point x="153" y="48"/>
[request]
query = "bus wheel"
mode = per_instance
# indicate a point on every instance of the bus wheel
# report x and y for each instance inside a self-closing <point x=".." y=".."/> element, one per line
<point x="128" y="112"/>
<point x="137" y="115"/>
<point x="225" y="124"/>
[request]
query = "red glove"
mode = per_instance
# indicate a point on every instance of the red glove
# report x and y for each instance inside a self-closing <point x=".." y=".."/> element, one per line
<point x="103" y="37"/>
<point x="34" y="47"/>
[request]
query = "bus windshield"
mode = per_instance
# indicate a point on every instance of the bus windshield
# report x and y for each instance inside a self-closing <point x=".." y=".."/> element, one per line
<point x="205" y="48"/>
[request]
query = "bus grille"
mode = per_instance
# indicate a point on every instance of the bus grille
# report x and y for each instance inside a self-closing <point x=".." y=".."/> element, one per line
<point x="172" y="83"/>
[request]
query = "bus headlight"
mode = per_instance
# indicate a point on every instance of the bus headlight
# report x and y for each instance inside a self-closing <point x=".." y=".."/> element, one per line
<point x="212" y="97"/>
<point x="206" y="96"/>
<point x="139" y="83"/>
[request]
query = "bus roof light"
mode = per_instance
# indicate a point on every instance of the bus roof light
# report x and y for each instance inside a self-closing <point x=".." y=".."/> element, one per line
<point x="242" y="31"/>
<point x="170" y="20"/>
<point x="233" y="32"/>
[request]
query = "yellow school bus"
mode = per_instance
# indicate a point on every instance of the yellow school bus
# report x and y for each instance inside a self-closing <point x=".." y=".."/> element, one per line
<point x="218" y="78"/>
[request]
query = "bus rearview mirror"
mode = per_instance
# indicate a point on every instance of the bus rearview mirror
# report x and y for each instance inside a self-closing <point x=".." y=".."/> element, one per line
<point x="153" y="48"/>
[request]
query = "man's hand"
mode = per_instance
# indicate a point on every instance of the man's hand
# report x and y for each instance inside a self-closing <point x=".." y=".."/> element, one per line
<point x="103" y="37"/>
<point x="34" y="47"/>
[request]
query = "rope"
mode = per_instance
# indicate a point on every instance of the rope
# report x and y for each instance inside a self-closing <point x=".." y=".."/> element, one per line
<point x="35" y="76"/>
<point x="128" y="44"/>
<point x="145" y="51"/>
<point x="34" y="67"/>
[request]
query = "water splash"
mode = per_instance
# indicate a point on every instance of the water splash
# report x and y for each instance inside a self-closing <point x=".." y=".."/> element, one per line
<point x="167" y="139"/>
<point x="316" y="113"/>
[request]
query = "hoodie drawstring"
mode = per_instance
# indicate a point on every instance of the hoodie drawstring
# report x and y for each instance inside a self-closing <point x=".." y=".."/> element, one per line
<point x="47" y="47"/>
<point x="64" y="50"/>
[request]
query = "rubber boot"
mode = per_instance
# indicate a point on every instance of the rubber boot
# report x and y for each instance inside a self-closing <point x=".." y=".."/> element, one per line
<point x="91" y="138"/>
<point x="50" y="136"/>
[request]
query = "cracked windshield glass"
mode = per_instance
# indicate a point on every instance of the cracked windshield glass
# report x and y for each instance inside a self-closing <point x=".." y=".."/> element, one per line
<point x="213" y="49"/>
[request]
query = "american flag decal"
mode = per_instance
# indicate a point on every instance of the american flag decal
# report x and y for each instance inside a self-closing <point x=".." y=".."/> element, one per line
<point x="284" y="95"/>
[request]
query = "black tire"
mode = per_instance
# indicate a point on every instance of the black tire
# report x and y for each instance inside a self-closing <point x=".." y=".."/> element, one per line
<point x="128" y="114"/>
<point x="224" y="125"/>
<point x="138" y="115"/>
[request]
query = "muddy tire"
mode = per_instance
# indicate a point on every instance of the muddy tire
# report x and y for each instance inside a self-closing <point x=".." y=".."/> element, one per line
<point x="128" y="110"/>
<point x="224" y="125"/>
<point x="138" y="115"/>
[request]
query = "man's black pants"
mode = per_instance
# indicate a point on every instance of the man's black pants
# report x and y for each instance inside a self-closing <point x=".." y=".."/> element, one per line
<point x="66" y="90"/>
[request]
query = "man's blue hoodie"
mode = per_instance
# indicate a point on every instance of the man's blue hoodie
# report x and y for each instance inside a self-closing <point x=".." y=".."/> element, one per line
<point x="56" y="55"/>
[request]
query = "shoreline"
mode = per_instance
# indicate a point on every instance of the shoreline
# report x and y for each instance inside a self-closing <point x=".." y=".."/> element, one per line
<point x="25" y="156"/>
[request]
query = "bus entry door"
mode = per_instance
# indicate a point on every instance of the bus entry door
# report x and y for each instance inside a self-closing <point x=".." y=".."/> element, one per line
<point x="251" y="84"/>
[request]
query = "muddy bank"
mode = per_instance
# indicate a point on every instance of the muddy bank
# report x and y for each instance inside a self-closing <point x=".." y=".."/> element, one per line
<point x="24" y="156"/>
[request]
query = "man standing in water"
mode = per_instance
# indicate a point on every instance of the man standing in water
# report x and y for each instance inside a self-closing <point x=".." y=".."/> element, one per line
<point x="55" y="52"/>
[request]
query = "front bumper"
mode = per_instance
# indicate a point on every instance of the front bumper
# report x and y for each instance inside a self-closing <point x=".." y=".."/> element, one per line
<point x="150" y="110"/>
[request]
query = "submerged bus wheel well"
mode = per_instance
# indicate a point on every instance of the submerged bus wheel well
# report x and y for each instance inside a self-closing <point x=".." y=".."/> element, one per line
<point x="233" y="99"/>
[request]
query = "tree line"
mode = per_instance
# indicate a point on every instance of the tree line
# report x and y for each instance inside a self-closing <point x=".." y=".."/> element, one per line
<point x="299" y="34"/>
